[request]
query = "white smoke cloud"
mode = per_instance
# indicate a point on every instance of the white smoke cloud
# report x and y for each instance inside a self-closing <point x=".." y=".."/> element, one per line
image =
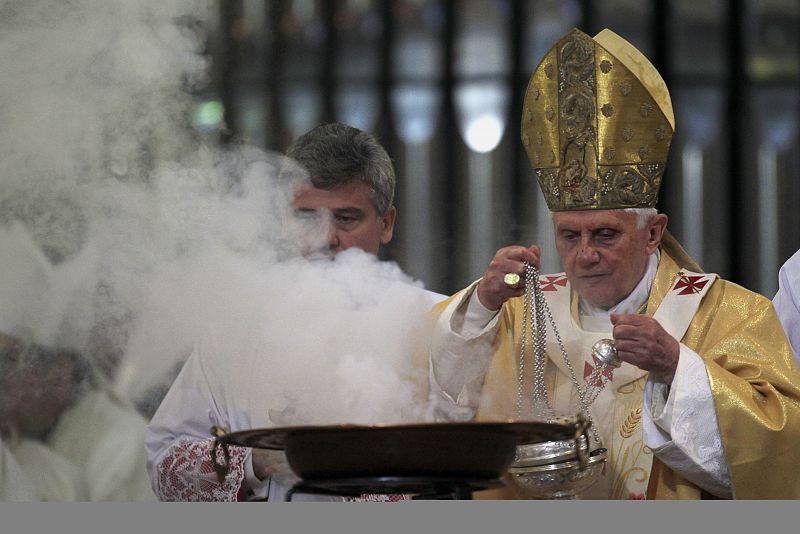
<point x="87" y="82"/>
<point x="162" y="243"/>
<point x="315" y="341"/>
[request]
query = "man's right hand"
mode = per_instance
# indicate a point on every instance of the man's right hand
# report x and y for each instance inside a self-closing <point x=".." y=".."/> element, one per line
<point x="492" y="290"/>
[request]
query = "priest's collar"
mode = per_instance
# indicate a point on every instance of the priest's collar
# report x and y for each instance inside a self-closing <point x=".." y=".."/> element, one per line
<point x="634" y="301"/>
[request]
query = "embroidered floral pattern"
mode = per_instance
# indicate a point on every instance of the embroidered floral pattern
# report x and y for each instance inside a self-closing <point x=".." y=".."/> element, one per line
<point x="698" y="436"/>
<point x="186" y="473"/>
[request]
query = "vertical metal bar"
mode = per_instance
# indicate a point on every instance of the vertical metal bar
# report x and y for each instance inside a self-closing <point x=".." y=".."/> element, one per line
<point x="518" y="78"/>
<point x="274" y="135"/>
<point x="660" y="38"/>
<point x="418" y="223"/>
<point x="737" y="86"/>
<point x="230" y="14"/>
<point x="450" y="139"/>
<point x="330" y="50"/>
<point x="480" y="224"/>
<point x="545" y="237"/>
<point x="768" y="260"/>
<point x="693" y="195"/>
<point x="386" y="121"/>
<point x="588" y="17"/>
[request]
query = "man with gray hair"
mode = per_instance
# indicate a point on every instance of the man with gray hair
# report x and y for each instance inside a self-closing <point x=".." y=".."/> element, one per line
<point x="688" y="379"/>
<point x="351" y="189"/>
<point x="352" y="180"/>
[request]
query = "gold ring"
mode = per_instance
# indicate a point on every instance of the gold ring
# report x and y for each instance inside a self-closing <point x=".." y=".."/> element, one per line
<point x="511" y="280"/>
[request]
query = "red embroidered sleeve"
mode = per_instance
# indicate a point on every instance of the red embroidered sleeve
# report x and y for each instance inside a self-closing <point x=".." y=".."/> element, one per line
<point x="186" y="473"/>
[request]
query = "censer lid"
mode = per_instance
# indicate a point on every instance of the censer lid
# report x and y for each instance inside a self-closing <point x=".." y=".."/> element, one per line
<point x="548" y="452"/>
<point x="597" y="456"/>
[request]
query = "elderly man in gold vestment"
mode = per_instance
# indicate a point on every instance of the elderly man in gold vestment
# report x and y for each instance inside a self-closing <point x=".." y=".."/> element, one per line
<point x="706" y="401"/>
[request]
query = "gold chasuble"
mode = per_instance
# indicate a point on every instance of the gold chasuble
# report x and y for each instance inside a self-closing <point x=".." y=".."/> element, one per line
<point x="597" y="123"/>
<point x="754" y="381"/>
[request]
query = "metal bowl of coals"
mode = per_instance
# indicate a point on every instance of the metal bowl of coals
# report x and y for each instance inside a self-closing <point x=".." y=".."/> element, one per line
<point x="474" y="450"/>
<point x="556" y="470"/>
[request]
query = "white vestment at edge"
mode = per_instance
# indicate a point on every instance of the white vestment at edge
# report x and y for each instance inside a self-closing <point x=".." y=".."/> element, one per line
<point x="54" y="478"/>
<point x="787" y="301"/>
<point x="15" y="484"/>
<point x="462" y="353"/>
<point x="106" y="441"/>
<point x="95" y="452"/>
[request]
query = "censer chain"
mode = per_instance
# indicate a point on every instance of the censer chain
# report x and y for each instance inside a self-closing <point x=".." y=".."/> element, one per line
<point x="536" y="314"/>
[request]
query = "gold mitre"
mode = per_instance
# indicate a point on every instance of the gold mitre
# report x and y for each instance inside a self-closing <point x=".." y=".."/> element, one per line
<point x="597" y="124"/>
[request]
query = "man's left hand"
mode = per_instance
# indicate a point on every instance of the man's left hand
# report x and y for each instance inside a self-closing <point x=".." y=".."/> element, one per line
<point x="642" y="342"/>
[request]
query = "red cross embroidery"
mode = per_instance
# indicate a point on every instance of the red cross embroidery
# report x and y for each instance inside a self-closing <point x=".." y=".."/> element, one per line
<point x="608" y="372"/>
<point x="549" y="282"/>
<point x="690" y="284"/>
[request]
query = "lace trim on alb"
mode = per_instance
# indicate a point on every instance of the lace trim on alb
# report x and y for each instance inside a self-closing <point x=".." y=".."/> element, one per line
<point x="186" y="473"/>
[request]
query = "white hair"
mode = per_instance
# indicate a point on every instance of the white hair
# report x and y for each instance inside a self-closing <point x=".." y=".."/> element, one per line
<point x="643" y="215"/>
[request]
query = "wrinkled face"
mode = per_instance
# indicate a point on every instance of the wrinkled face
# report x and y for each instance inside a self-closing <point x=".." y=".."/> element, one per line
<point x="354" y="221"/>
<point x="603" y="253"/>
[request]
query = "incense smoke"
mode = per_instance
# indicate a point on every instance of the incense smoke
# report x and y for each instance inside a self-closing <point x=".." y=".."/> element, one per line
<point x="160" y="242"/>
